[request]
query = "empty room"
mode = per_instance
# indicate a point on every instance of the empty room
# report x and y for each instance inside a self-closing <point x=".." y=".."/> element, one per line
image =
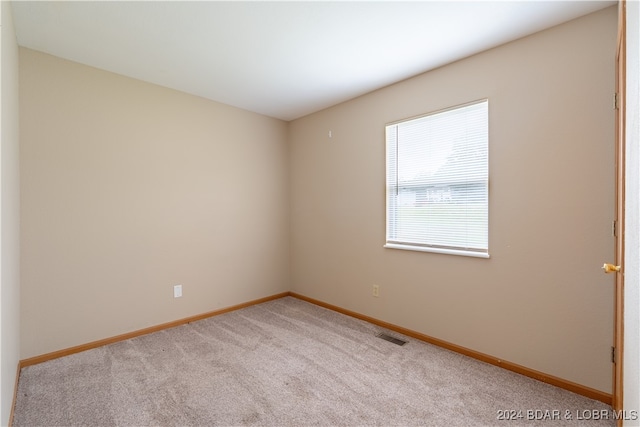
<point x="319" y="213"/>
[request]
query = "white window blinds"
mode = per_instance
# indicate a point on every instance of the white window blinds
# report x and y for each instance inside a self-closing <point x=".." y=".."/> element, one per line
<point x="437" y="181"/>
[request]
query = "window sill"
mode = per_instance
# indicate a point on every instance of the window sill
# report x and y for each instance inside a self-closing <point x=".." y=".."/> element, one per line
<point x="437" y="250"/>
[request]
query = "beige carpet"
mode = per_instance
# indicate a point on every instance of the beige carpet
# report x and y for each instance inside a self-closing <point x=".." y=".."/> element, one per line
<point x="282" y="363"/>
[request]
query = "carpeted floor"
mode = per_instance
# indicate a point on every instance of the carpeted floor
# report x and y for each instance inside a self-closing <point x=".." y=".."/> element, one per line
<point x="284" y="363"/>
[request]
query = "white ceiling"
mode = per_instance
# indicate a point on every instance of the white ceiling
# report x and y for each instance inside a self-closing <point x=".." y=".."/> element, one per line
<point x="281" y="59"/>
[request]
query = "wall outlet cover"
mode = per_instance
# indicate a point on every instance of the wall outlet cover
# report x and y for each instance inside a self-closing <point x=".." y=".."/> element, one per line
<point x="177" y="291"/>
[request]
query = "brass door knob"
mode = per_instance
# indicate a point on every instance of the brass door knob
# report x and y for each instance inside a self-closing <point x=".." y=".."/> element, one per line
<point x="610" y="268"/>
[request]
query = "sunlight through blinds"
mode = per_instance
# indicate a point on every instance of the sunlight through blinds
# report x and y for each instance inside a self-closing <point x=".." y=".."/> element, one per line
<point x="437" y="180"/>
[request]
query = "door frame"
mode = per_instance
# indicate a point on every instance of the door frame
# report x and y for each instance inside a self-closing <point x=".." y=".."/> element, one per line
<point x="620" y="84"/>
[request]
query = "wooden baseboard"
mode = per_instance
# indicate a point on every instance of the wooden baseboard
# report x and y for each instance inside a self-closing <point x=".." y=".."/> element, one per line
<point x="532" y="373"/>
<point x="15" y="395"/>
<point x="83" y="347"/>
<point x="540" y="376"/>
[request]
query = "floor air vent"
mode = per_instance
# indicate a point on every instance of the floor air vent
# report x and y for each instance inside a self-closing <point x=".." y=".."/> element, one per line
<point x="391" y="339"/>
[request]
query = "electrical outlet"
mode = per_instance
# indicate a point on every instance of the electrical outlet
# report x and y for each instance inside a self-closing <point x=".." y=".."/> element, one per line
<point x="177" y="291"/>
<point x="376" y="290"/>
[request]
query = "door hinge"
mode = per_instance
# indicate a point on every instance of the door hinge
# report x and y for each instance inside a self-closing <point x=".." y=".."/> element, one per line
<point x="616" y="102"/>
<point x="613" y="355"/>
<point x="614" y="228"/>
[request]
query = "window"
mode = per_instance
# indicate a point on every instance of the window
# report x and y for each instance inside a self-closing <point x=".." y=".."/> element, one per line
<point x="437" y="182"/>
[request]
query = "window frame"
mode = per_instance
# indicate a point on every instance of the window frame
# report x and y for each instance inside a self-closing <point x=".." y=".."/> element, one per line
<point x="440" y="249"/>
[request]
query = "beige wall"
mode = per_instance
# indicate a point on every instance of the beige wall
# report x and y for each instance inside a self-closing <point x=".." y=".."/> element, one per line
<point x="129" y="188"/>
<point x="9" y="214"/>
<point x="541" y="300"/>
